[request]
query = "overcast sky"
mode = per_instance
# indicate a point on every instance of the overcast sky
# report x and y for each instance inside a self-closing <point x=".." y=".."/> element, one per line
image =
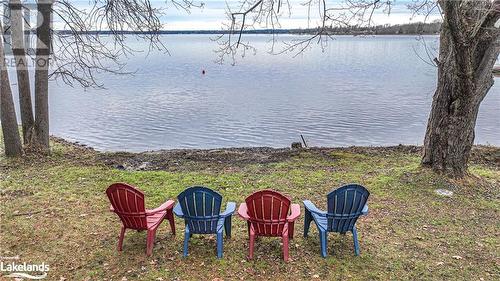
<point x="213" y="15"/>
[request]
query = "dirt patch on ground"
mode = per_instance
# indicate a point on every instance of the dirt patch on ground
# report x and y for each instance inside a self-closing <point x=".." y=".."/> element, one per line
<point x="194" y="159"/>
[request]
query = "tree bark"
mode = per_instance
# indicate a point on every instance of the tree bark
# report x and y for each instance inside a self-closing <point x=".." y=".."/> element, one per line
<point x="23" y="79"/>
<point x="464" y="78"/>
<point x="12" y="140"/>
<point x="42" y="76"/>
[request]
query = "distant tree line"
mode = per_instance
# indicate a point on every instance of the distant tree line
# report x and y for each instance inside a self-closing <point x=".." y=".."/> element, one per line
<point x="386" y="29"/>
<point x="411" y="28"/>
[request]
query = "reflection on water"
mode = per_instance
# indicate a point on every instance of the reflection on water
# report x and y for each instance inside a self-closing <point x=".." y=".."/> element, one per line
<point x="360" y="91"/>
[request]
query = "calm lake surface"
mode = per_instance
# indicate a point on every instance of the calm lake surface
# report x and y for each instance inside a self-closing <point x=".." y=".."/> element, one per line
<point x="359" y="91"/>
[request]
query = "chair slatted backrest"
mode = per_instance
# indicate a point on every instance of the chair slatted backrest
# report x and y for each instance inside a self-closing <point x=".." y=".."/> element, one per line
<point x="201" y="207"/>
<point x="344" y="207"/>
<point x="268" y="211"/>
<point x="128" y="204"/>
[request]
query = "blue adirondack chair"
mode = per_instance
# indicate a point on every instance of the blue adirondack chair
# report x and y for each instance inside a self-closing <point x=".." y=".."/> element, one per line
<point x="345" y="205"/>
<point x="200" y="208"/>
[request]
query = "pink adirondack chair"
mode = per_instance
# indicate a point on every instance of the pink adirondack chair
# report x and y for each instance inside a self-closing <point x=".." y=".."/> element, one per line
<point x="269" y="213"/>
<point x="128" y="203"/>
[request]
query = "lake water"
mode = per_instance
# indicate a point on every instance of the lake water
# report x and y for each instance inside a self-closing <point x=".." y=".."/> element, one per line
<point x="359" y="91"/>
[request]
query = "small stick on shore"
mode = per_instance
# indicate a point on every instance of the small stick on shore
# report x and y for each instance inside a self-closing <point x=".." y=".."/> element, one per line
<point x="26" y="214"/>
<point x="304" y="141"/>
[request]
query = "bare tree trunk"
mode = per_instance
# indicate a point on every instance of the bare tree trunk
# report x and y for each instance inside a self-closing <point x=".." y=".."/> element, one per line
<point x="12" y="140"/>
<point x="23" y="79"/>
<point x="465" y="76"/>
<point x="42" y="76"/>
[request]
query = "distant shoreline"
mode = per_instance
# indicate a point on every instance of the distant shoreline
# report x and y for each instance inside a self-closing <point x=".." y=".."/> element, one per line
<point x="399" y="29"/>
<point x="222" y="32"/>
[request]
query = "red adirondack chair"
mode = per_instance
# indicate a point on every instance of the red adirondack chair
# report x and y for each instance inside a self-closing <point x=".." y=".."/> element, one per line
<point x="267" y="214"/>
<point x="128" y="203"/>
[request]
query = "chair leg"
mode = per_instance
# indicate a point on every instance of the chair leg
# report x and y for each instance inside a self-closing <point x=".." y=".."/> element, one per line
<point x="307" y="222"/>
<point x="186" y="225"/>
<point x="356" y="243"/>
<point x="285" y="246"/>
<point x="227" y="226"/>
<point x="120" y="240"/>
<point x="187" y="235"/>
<point x="248" y="227"/>
<point x="323" y="242"/>
<point x="150" y="242"/>
<point x="171" y="220"/>
<point x="220" y="241"/>
<point x="251" y="246"/>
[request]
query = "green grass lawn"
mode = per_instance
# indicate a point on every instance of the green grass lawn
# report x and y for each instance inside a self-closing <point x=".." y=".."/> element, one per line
<point x="55" y="211"/>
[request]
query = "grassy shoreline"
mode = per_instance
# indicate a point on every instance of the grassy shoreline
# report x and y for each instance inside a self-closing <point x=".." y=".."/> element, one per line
<point x="54" y="210"/>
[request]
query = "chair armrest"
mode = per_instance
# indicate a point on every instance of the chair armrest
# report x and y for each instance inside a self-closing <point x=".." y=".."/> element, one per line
<point x="243" y="211"/>
<point x="164" y="207"/>
<point x="231" y="206"/>
<point x="178" y="210"/>
<point x="313" y="209"/>
<point x="364" y="212"/>
<point x="295" y="213"/>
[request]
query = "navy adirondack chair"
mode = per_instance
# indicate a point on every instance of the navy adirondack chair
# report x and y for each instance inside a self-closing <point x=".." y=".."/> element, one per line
<point x="345" y="205"/>
<point x="200" y="208"/>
